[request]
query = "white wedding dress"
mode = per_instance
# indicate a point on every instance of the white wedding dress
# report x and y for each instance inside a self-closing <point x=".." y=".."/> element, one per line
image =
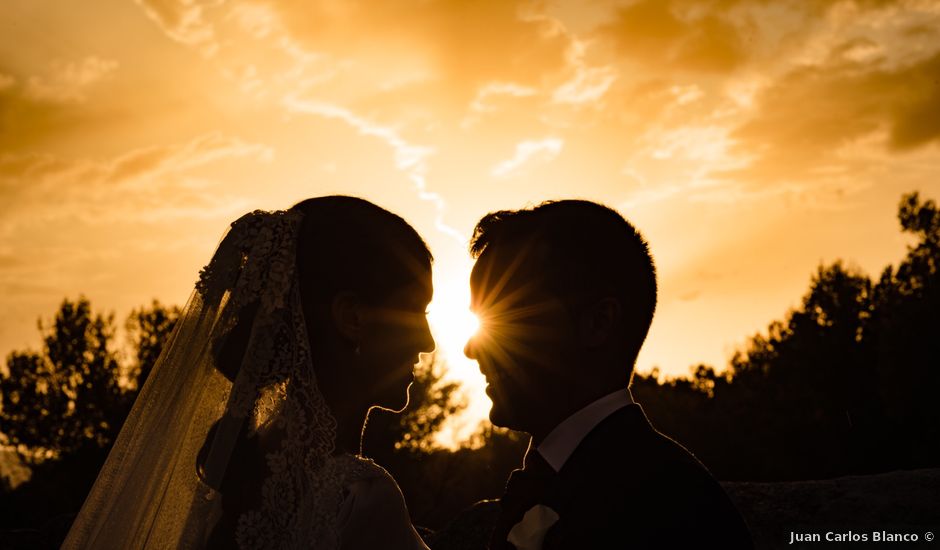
<point x="373" y="514"/>
<point x="230" y="442"/>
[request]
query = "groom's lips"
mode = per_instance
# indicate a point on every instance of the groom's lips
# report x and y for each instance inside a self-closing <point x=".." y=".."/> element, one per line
<point x="494" y="391"/>
<point x="492" y="380"/>
<point x="490" y="375"/>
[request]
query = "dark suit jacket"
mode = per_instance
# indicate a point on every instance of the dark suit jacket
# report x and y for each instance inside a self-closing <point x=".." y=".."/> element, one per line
<point x="629" y="486"/>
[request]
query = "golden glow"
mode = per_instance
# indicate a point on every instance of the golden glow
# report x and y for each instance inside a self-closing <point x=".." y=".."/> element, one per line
<point x="452" y="324"/>
<point x="747" y="144"/>
<point x="511" y="331"/>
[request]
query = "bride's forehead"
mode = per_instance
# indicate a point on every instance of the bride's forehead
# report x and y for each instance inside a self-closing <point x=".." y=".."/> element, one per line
<point x="418" y="290"/>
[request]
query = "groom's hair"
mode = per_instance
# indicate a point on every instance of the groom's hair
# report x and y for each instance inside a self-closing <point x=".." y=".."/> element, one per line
<point x="579" y="250"/>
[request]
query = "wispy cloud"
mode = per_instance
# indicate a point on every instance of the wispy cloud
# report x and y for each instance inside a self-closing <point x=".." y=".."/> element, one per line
<point x="155" y="162"/>
<point x="588" y="86"/>
<point x="494" y="89"/>
<point x="409" y="158"/>
<point x="184" y="21"/>
<point x="149" y="183"/>
<point x="528" y="151"/>
<point x="66" y="81"/>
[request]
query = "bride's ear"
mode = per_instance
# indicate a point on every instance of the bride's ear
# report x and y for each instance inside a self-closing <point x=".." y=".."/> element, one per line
<point x="347" y="315"/>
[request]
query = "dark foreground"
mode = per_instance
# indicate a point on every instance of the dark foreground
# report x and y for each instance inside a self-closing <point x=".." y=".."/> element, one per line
<point x="902" y="502"/>
<point x="894" y="502"/>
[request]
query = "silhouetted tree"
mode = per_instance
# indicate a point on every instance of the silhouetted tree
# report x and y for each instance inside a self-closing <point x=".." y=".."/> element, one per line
<point x="809" y="377"/>
<point x="67" y="397"/>
<point x="431" y="402"/>
<point x="63" y="407"/>
<point x="844" y="384"/>
<point x="906" y="327"/>
<point x="149" y="329"/>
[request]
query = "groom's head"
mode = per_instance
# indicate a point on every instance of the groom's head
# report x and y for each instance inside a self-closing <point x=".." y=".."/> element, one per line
<point x="565" y="293"/>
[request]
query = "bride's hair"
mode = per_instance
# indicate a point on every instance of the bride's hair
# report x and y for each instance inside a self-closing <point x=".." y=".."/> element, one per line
<point x="344" y="244"/>
<point x="350" y="244"/>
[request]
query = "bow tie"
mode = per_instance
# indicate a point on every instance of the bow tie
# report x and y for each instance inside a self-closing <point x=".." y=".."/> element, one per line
<point x="525" y="488"/>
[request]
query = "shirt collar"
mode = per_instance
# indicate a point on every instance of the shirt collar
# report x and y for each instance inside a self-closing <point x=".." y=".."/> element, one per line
<point x="561" y="442"/>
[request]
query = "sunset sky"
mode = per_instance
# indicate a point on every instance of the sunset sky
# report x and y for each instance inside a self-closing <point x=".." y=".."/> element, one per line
<point x="749" y="140"/>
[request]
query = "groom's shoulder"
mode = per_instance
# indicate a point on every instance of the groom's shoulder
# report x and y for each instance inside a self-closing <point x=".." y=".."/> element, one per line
<point x="627" y="436"/>
<point x="625" y="468"/>
<point x="625" y="452"/>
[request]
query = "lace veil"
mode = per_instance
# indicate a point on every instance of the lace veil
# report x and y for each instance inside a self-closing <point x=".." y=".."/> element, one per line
<point x="230" y="442"/>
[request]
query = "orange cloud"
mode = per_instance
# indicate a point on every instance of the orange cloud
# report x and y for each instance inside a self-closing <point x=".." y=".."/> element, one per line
<point x="466" y="45"/>
<point x="807" y="116"/>
<point x="667" y="35"/>
<point x="147" y="183"/>
<point x="183" y="21"/>
<point x="6" y="81"/>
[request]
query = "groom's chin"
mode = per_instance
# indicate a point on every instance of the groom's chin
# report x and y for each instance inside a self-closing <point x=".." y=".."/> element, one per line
<point x="501" y="413"/>
<point x="499" y="417"/>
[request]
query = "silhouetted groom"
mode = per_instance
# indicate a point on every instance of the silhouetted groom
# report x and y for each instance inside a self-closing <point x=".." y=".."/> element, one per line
<point x="565" y="293"/>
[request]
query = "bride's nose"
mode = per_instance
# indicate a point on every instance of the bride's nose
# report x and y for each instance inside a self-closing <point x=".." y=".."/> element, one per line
<point x="427" y="341"/>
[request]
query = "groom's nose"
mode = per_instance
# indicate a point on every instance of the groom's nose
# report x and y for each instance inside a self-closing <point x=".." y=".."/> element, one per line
<point x="469" y="350"/>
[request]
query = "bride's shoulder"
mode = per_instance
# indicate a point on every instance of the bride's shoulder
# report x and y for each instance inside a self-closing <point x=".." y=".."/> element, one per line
<point x="366" y="483"/>
<point x="356" y="469"/>
<point x="374" y="510"/>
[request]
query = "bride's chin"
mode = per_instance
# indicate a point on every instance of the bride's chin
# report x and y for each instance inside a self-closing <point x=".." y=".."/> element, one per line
<point x="392" y="409"/>
<point x="396" y="410"/>
<point x="396" y="405"/>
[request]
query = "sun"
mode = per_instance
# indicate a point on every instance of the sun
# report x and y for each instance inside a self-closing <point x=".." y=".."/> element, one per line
<point x="452" y="324"/>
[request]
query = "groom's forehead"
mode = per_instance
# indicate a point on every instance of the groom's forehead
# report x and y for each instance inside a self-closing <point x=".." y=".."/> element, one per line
<point x="503" y="267"/>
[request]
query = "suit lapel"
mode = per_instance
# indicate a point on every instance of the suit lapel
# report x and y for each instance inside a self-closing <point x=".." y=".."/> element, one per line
<point x="606" y="446"/>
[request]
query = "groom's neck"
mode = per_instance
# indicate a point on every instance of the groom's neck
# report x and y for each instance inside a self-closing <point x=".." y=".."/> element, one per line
<point x="558" y="408"/>
<point x="556" y="411"/>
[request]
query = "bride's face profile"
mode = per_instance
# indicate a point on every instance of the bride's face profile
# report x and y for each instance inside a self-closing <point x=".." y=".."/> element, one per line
<point x="394" y="333"/>
<point x="365" y="281"/>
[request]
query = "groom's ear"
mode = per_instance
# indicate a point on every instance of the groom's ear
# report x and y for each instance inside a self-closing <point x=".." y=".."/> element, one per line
<point x="599" y="321"/>
<point x="346" y="311"/>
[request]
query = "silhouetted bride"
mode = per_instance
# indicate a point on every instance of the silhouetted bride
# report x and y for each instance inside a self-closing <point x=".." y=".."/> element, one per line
<point x="247" y="432"/>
